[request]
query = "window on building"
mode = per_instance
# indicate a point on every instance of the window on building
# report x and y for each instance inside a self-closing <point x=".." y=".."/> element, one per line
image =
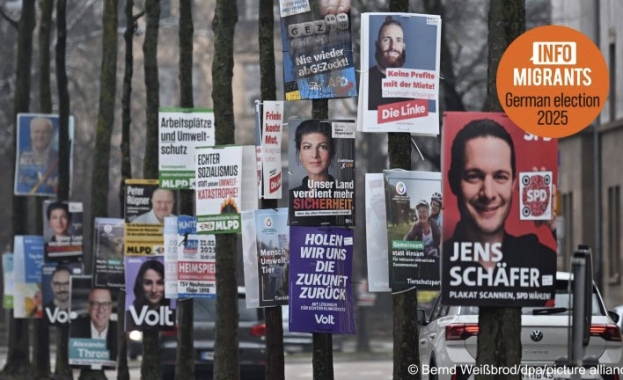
<point x="612" y="65"/>
<point x="614" y="229"/>
<point x="568" y="243"/>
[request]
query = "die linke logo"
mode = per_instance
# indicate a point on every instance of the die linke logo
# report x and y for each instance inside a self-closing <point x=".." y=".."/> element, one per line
<point x="57" y="315"/>
<point x="159" y="317"/>
<point x="402" y="110"/>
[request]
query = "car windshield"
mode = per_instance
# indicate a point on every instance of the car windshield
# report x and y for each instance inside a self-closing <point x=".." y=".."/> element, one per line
<point x="205" y="310"/>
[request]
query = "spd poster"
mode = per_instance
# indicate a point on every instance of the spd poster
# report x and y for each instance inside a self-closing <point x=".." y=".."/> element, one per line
<point x="492" y="255"/>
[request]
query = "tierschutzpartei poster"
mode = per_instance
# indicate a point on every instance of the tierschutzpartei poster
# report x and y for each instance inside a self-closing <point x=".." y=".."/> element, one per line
<point x="492" y="256"/>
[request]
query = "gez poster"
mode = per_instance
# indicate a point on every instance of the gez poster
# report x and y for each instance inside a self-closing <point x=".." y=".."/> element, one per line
<point x="321" y="173"/>
<point x="376" y="234"/>
<point x="321" y="293"/>
<point x="223" y="174"/>
<point x="27" y="263"/>
<point x="108" y="235"/>
<point x="266" y="253"/>
<point x="62" y="230"/>
<point x="196" y="260"/>
<point x="495" y="175"/>
<point x="92" y="325"/>
<point x="413" y="236"/>
<point x="146" y="307"/>
<point x="37" y="160"/>
<point x="317" y="53"/>
<point x="55" y="281"/>
<point x="180" y="130"/>
<point x="400" y="58"/>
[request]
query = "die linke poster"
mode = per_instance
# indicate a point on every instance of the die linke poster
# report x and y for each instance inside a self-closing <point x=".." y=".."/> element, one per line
<point x="400" y="58"/>
<point x="317" y="53"/>
<point x="499" y="245"/>
<point x="321" y="295"/>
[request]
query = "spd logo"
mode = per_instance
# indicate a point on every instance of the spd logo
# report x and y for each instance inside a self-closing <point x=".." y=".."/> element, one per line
<point x="536" y="195"/>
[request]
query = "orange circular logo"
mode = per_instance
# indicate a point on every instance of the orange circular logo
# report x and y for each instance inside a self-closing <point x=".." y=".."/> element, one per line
<point x="552" y="81"/>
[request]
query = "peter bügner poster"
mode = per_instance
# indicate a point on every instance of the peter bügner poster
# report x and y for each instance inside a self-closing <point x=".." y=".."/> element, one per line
<point x="376" y="234"/>
<point x="62" y="230"/>
<point x="491" y="257"/>
<point x="400" y="58"/>
<point x="146" y="307"/>
<point x="413" y="231"/>
<point x="317" y="53"/>
<point x="180" y="130"/>
<point x="321" y="294"/>
<point x="36" y="161"/>
<point x="92" y="325"/>
<point x="196" y="260"/>
<point x="321" y="173"/>
<point x="108" y="238"/>
<point x="27" y="263"/>
<point x="55" y="279"/>
<point x="273" y="252"/>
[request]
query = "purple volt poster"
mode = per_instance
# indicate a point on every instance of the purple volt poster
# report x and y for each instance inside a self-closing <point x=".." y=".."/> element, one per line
<point x="321" y="296"/>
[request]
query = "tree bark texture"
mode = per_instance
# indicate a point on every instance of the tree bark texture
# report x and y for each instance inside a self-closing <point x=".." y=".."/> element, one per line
<point x="64" y="145"/>
<point x="123" y="371"/>
<point x="152" y="88"/>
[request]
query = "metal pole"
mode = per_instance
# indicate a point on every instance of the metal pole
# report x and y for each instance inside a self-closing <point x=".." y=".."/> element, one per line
<point x="576" y="356"/>
<point x="597" y="172"/>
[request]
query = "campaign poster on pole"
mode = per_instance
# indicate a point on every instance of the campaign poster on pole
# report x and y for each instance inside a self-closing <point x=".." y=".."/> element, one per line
<point x="321" y="280"/>
<point x="400" y="58"/>
<point x="92" y="325"/>
<point x="321" y="172"/>
<point x="8" y="276"/>
<point x="108" y="235"/>
<point x="249" y="260"/>
<point x="62" y="230"/>
<point x="499" y="245"/>
<point x="146" y="206"/>
<point x="292" y="7"/>
<point x="170" y="257"/>
<point x="218" y="196"/>
<point x="55" y="281"/>
<point x="37" y="160"/>
<point x="272" y="176"/>
<point x="270" y="257"/>
<point x="317" y="52"/>
<point x="180" y="131"/>
<point x="196" y="260"/>
<point x="413" y="235"/>
<point x="27" y="263"/>
<point x="146" y="307"/>
<point x="376" y="234"/>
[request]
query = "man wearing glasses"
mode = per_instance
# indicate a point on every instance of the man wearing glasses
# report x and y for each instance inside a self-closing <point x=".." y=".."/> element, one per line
<point x="98" y="324"/>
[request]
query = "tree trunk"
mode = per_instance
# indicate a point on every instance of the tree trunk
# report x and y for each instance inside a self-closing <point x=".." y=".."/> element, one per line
<point x="123" y="372"/>
<point x="226" y="340"/>
<point x="185" y="364"/>
<point x="63" y="101"/>
<point x="499" y="334"/>
<point x="18" y="360"/>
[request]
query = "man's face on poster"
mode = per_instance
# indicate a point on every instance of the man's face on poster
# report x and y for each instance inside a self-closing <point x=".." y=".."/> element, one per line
<point x="100" y="306"/>
<point x="40" y="134"/>
<point x="60" y="285"/>
<point x="162" y="203"/>
<point x="390" y="47"/>
<point x="487" y="184"/>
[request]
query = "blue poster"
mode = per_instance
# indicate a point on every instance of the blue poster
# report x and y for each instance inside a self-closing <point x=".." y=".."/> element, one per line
<point x="28" y="260"/>
<point x="321" y="298"/>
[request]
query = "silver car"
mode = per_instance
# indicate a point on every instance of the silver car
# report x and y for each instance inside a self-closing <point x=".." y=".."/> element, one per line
<point x="448" y="340"/>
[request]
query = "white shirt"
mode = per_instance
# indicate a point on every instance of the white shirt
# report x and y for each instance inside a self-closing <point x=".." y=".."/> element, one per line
<point x="97" y="334"/>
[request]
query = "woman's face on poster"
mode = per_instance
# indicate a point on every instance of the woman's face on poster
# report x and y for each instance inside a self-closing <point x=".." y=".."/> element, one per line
<point x="153" y="286"/>
<point x="59" y="221"/>
<point x="315" y="154"/>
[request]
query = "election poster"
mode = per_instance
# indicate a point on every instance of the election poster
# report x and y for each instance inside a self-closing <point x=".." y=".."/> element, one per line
<point x="108" y="235"/>
<point x="376" y="234"/>
<point x="492" y="255"/>
<point x="8" y="277"/>
<point x="272" y="176"/>
<point x="317" y="52"/>
<point x="62" y="230"/>
<point x="180" y="131"/>
<point x="249" y="260"/>
<point x="413" y="233"/>
<point x="270" y="256"/>
<point x="146" y="307"/>
<point x="92" y="325"/>
<point x="170" y="257"/>
<point x="146" y="206"/>
<point x="321" y="280"/>
<point x="400" y="58"/>
<point x="223" y="174"/>
<point x="321" y="172"/>
<point x="37" y="160"/>
<point x="27" y="263"/>
<point x="55" y="278"/>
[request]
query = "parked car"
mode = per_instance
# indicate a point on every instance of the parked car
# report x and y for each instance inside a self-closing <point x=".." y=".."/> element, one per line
<point x="251" y="341"/>
<point x="294" y="342"/>
<point x="448" y="340"/>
